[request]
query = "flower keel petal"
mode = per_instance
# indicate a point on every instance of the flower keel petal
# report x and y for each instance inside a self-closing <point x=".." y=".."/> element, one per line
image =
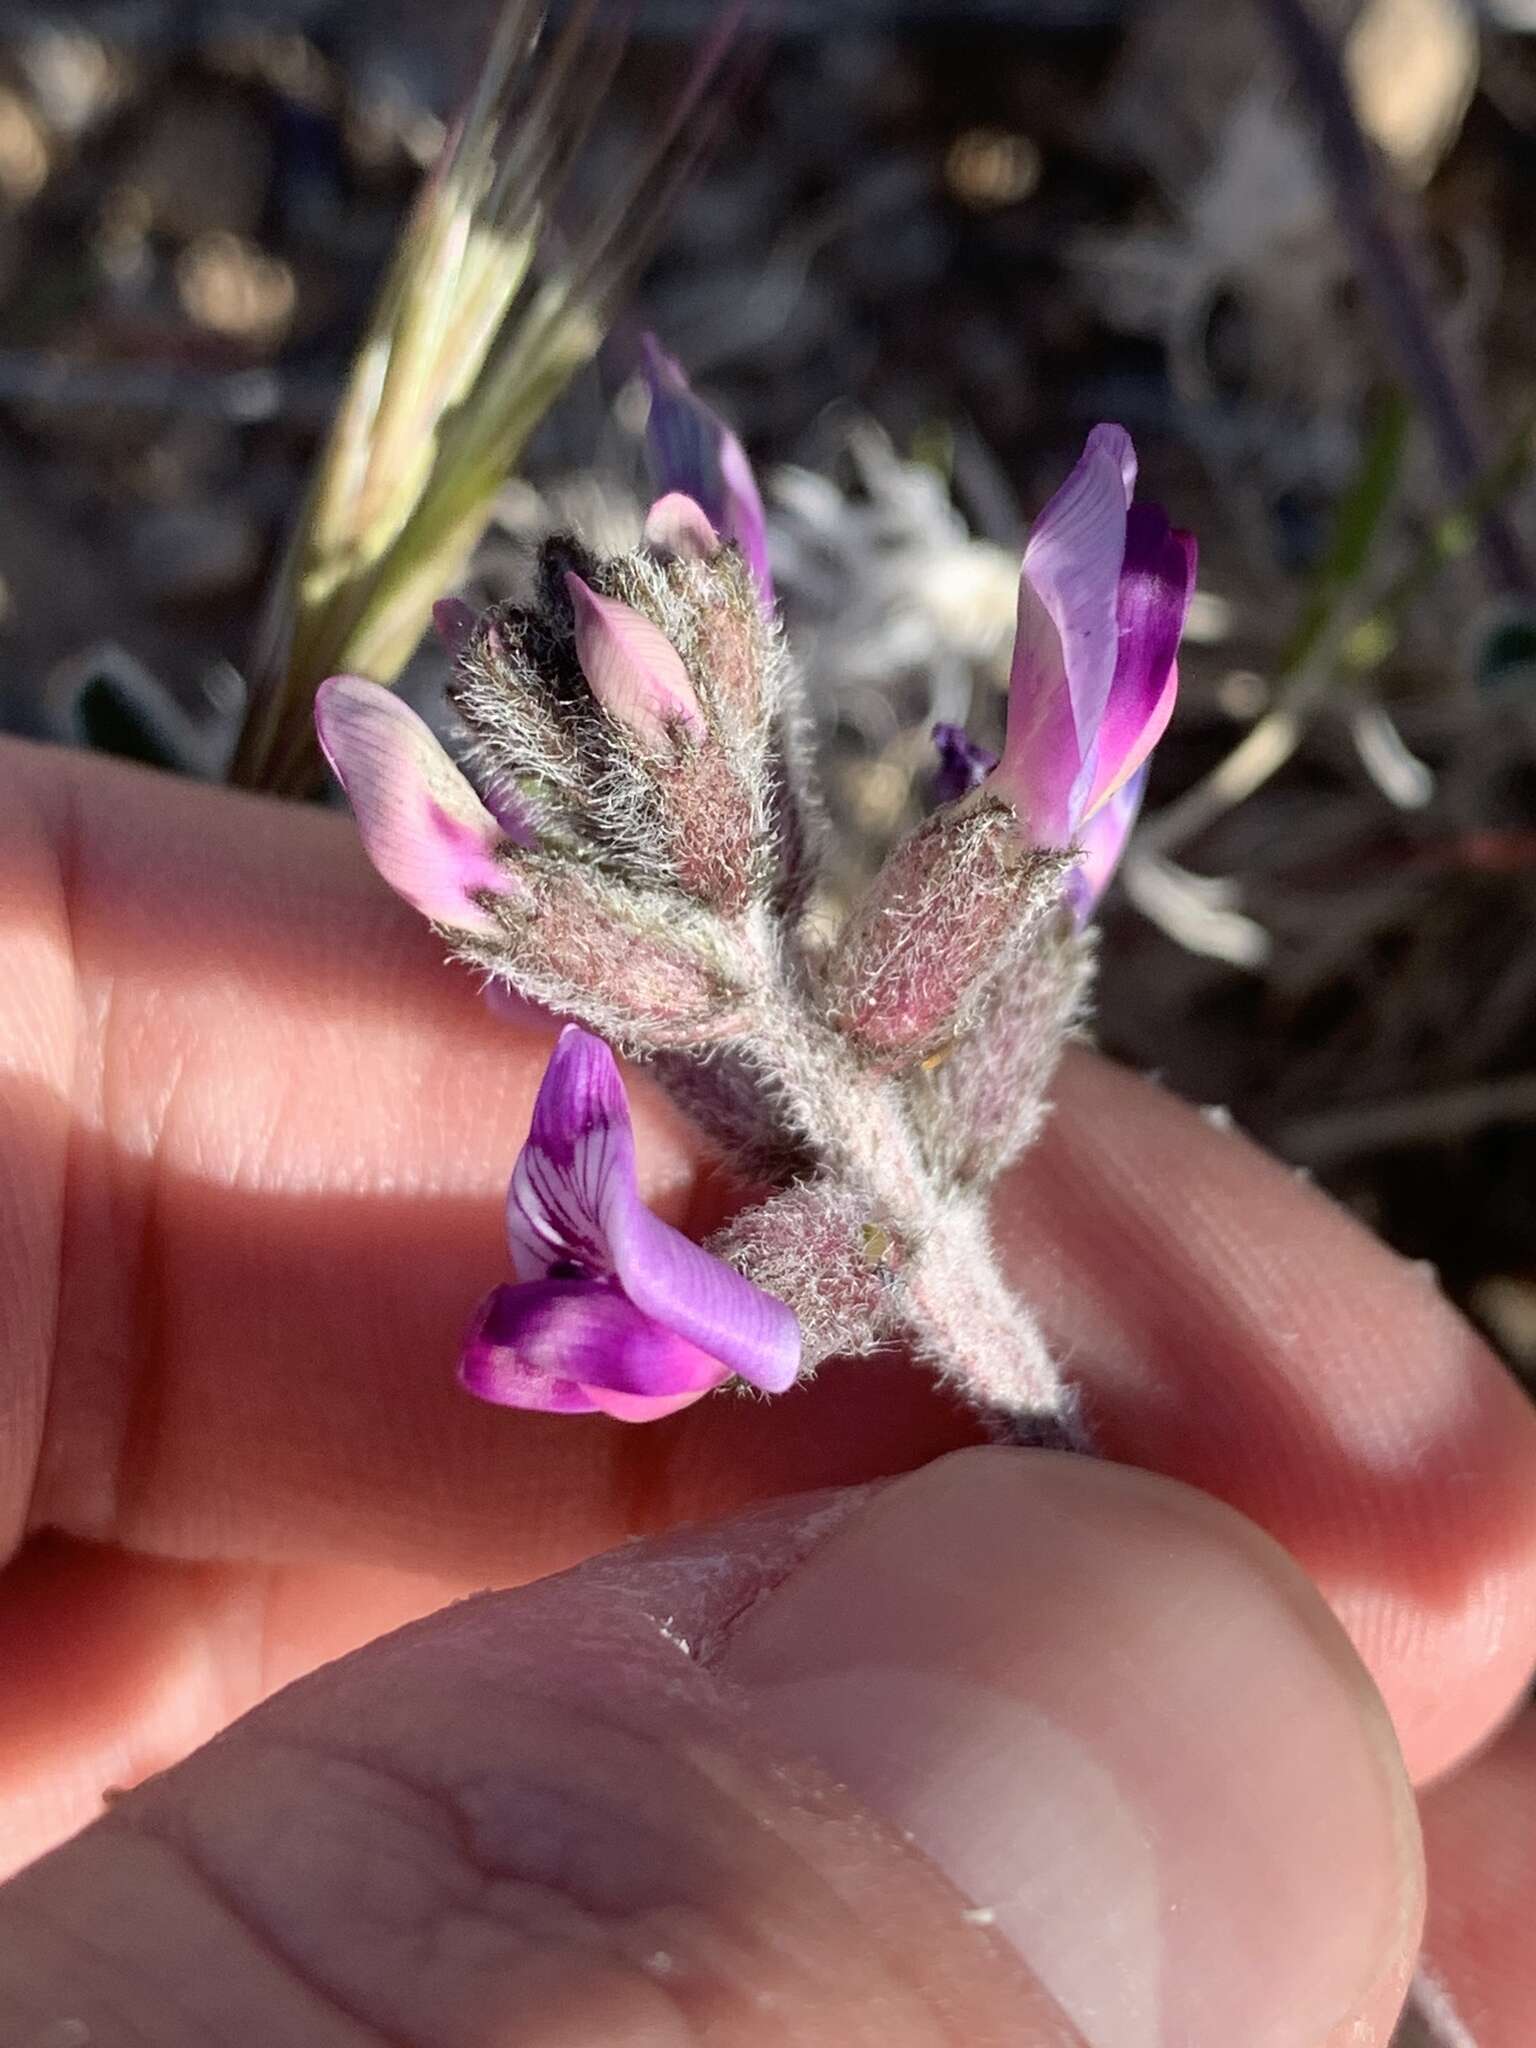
<point x="574" y="1345"/>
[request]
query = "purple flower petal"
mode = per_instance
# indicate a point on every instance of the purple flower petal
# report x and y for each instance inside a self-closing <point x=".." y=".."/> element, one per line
<point x="422" y="825"/>
<point x="677" y="525"/>
<point x="1116" y="442"/>
<point x="695" y="452"/>
<point x="1102" y="841"/>
<point x="574" y="1202"/>
<point x="635" y="672"/>
<point x="963" y="765"/>
<point x="569" y="1346"/>
<point x="580" y="1135"/>
<point x="1067" y="641"/>
<point x="1156" y="585"/>
<point x="640" y="1407"/>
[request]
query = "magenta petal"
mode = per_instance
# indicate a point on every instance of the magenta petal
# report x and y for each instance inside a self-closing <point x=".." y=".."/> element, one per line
<point x="496" y="1371"/>
<point x="574" y="1200"/>
<point x="1043" y="765"/>
<point x="1073" y="561"/>
<point x="640" y="1407"/>
<point x="695" y="452"/>
<point x="551" y="1344"/>
<point x="1116" y="442"/>
<point x="422" y="825"/>
<point x="1101" y="842"/>
<point x="1156" y="585"/>
<point x="579" y="1136"/>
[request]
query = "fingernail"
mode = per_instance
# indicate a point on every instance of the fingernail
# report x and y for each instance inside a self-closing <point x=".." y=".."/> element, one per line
<point x="1124" y="1726"/>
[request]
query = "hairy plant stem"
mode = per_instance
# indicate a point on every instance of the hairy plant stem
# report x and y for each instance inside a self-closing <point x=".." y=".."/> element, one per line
<point x="964" y="1318"/>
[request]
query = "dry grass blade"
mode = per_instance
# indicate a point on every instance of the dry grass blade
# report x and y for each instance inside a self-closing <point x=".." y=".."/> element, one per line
<point x="486" y="313"/>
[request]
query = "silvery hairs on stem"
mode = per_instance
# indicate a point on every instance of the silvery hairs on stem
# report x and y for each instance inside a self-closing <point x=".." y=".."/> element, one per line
<point x="630" y="842"/>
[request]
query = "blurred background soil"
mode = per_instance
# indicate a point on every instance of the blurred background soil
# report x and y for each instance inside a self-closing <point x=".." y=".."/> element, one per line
<point x="928" y="249"/>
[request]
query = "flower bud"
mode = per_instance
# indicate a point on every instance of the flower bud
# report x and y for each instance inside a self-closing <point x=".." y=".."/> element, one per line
<point x="643" y="967"/>
<point x="635" y="672"/>
<point x="676" y="526"/>
<point x="952" y="905"/>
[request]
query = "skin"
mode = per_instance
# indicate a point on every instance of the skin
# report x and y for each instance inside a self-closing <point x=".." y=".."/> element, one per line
<point x="254" y="1137"/>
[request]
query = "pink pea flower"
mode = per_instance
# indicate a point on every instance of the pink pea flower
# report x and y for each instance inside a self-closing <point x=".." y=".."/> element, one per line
<point x="1102" y="603"/>
<point x="697" y="455"/>
<point x="1103" y="597"/>
<point x="613" y="1310"/>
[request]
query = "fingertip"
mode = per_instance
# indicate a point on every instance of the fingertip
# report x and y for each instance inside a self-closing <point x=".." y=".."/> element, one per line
<point x="1127" y="1727"/>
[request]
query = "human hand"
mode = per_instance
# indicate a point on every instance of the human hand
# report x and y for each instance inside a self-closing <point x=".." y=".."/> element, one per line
<point x="255" y="1143"/>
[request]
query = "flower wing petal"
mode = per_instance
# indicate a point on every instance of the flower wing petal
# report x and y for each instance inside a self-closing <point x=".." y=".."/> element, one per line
<point x="1101" y="843"/>
<point x="699" y="1296"/>
<point x="1155" y="589"/>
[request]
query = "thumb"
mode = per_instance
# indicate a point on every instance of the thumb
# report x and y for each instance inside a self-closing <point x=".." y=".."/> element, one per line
<point x="1021" y="1749"/>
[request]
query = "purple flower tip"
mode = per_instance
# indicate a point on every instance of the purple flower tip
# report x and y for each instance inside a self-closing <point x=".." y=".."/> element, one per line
<point x="422" y="825"/>
<point x="1103" y="597"/>
<point x="613" y="1310"/>
<point x="695" y="453"/>
<point x="963" y="765"/>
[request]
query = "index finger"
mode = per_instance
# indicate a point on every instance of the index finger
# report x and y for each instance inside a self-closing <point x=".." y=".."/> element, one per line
<point x="258" y="1137"/>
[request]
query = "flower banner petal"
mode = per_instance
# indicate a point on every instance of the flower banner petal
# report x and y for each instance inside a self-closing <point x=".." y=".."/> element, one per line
<point x="422" y="825"/>
<point x="695" y="452"/>
<point x="1073" y="561"/>
<point x="580" y="1135"/>
<point x="575" y="1201"/>
<point x="1042" y="766"/>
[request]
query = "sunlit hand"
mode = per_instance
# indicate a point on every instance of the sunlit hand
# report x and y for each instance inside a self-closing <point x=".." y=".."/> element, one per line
<point x="1022" y="1749"/>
